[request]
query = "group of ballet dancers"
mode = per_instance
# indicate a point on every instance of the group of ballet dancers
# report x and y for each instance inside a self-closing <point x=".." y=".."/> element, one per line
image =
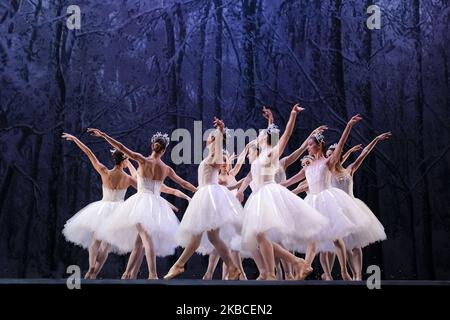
<point x="274" y="224"/>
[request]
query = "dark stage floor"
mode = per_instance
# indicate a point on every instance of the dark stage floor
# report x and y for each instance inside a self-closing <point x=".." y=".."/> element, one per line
<point x="185" y="282"/>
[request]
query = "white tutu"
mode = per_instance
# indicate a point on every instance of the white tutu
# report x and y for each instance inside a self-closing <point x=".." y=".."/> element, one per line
<point x="152" y="213"/>
<point x="341" y="210"/>
<point x="283" y="216"/>
<point x="213" y="206"/>
<point x="372" y="233"/>
<point x="85" y="224"/>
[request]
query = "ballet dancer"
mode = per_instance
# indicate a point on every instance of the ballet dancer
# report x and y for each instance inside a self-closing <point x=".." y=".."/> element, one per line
<point x="227" y="178"/>
<point x="213" y="209"/>
<point x="83" y="227"/>
<point x="273" y="213"/>
<point x="343" y="179"/>
<point x="145" y="216"/>
<point x="336" y="205"/>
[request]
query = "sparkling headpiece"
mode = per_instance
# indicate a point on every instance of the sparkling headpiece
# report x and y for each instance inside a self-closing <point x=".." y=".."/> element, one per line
<point x="273" y="128"/>
<point x="333" y="146"/>
<point x="308" y="157"/>
<point x="159" y="135"/>
<point x="319" y="138"/>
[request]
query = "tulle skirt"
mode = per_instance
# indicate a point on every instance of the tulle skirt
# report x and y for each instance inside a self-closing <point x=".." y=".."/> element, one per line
<point x="212" y="207"/>
<point x="85" y="224"/>
<point x="343" y="213"/>
<point x="152" y="213"/>
<point x="282" y="216"/>
<point x="372" y="233"/>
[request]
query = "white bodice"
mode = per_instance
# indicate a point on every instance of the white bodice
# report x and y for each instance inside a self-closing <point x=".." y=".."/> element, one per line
<point x="318" y="176"/>
<point x="280" y="174"/>
<point x="343" y="181"/>
<point x="263" y="171"/>
<point x="207" y="174"/>
<point x="148" y="185"/>
<point x="113" y="194"/>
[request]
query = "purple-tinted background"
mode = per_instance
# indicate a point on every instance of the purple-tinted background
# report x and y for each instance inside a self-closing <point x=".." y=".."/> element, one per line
<point x="137" y="67"/>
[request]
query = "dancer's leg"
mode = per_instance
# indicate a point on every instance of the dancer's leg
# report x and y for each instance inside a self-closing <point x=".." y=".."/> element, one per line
<point x="93" y="252"/>
<point x="289" y="258"/>
<point x="236" y="256"/>
<point x="224" y="252"/>
<point x="356" y="263"/>
<point x="133" y="259"/>
<point x="178" y="266"/>
<point x="324" y="262"/>
<point x="101" y="258"/>
<point x="212" y="264"/>
<point x="257" y="257"/>
<point x="150" y="254"/>
<point x="309" y="258"/>
<point x="266" y="249"/>
<point x="340" y="248"/>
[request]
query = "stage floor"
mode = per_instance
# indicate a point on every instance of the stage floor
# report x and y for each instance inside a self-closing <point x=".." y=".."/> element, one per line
<point x="188" y="282"/>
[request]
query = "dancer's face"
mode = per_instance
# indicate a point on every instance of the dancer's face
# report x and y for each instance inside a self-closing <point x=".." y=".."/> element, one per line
<point x="306" y="162"/>
<point x="313" y="146"/>
<point x="329" y="152"/>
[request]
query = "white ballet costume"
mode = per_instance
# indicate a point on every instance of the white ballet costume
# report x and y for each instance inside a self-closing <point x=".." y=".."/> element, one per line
<point x="274" y="210"/>
<point x="333" y="203"/>
<point x="212" y="207"/>
<point x="85" y="224"/>
<point x="374" y="231"/>
<point x="151" y="211"/>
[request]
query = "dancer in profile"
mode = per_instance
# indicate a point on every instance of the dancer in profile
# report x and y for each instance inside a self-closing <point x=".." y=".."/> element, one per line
<point x="280" y="176"/>
<point x="145" y="215"/>
<point x="227" y="178"/>
<point x="343" y="179"/>
<point x="333" y="203"/>
<point x="83" y="227"/>
<point x="273" y="213"/>
<point x="213" y="209"/>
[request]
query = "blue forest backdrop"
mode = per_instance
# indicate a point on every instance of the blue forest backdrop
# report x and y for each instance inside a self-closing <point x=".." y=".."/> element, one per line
<point x="137" y="67"/>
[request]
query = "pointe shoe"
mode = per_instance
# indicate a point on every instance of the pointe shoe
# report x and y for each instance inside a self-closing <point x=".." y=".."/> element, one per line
<point x="233" y="273"/>
<point x="345" y="276"/>
<point x="304" y="273"/>
<point x="289" y="277"/>
<point x="325" y="277"/>
<point x="242" y="276"/>
<point x="260" y="277"/>
<point x="173" y="272"/>
<point x="271" y="277"/>
<point x="207" y="277"/>
<point x="126" y="276"/>
<point x="298" y="267"/>
<point x="153" y="277"/>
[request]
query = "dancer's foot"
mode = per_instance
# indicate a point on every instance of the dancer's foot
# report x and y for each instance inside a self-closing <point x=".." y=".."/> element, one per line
<point x="152" y="277"/>
<point x="233" y="273"/>
<point x="173" y="272"/>
<point x="207" y="276"/>
<point x="298" y="267"/>
<point x="345" y="276"/>
<point x="326" y="277"/>
<point x="304" y="273"/>
<point x="126" y="276"/>
<point x="271" y="277"/>
<point x="242" y="276"/>
<point x="289" y="277"/>
<point x="89" y="274"/>
<point x="358" y="277"/>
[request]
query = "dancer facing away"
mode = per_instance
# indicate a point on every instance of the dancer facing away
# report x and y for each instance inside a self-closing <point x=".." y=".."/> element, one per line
<point x="83" y="227"/>
<point x="227" y="178"/>
<point x="145" y="216"/>
<point x="336" y="205"/>
<point x="213" y="209"/>
<point x="273" y="213"/>
<point x="374" y="232"/>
